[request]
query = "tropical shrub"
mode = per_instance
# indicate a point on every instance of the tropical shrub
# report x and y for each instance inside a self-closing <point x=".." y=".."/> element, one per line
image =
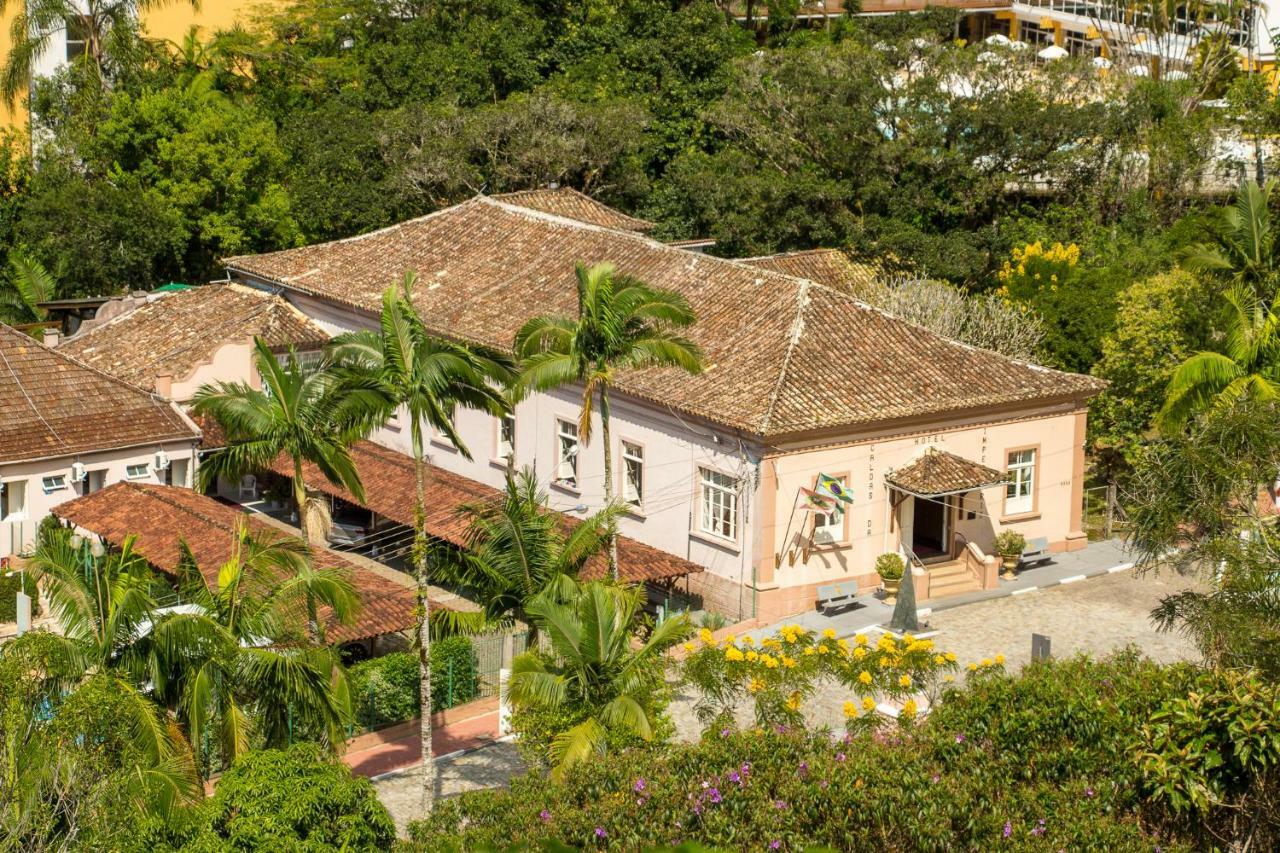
<point x="10" y="583"/>
<point x="294" y="799"/>
<point x="384" y="690"/>
<point x="1042" y="761"/>
<point x="890" y="567"/>
<point x="1010" y="543"/>
<point x="780" y="672"/>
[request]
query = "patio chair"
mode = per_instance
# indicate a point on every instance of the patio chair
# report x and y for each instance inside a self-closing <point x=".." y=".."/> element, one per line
<point x="248" y="488"/>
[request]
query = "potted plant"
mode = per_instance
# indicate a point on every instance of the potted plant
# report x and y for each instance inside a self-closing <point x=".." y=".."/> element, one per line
<point x="890" y="567"/>
<point x="1009" y="545"/>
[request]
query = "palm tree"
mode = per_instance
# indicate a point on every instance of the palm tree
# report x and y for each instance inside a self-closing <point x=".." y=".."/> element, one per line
<point x="1248" y="368"/>
<point x="236" y="655"/>
<point x="430" y="378"/>
<point x="622" y="324"/>
<point x="517" y="550"/>
<point x="301" y="413"/>
<point x="1247" y="248"/>
<point x="27" y="284"/>
<point x="595" y="669"/>
<point x="36" y="22"/>
<point x="101" y="600"/>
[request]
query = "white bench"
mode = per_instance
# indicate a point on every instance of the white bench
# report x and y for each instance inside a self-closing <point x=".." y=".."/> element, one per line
<point x="1036" y="552"/>
<point x="836" y="595"/>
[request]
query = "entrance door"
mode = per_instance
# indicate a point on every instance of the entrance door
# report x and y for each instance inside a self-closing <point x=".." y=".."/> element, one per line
<point x="931" y="527"/>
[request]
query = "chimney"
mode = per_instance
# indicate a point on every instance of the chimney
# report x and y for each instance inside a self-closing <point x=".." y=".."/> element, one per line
<point x="164" y="385"/>
<point x="51" y="335"/>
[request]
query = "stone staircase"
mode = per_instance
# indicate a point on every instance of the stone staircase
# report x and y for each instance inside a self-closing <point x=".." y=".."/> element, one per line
<point x="951" y="578"/>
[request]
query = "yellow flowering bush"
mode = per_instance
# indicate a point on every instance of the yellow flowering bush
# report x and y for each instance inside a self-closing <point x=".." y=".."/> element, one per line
<point x="790" y="664"/>
<point x="1035" y="267"/>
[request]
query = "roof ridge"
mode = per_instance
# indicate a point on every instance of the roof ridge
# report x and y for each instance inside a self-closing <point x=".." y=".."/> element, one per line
<point x="797" y="332"/>
<point x="158" y="401"/>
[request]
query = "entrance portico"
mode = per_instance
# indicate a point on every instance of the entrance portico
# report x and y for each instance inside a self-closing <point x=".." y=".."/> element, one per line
<point x="926" y="497"/>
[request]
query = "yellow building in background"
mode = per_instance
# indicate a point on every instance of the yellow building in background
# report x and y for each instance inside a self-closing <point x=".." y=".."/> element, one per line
<point x="171" y="22"/>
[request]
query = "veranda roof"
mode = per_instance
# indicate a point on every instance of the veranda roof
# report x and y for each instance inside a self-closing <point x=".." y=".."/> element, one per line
<point x="391" y="491"/>
<point x="162" y="518"/>
<point x="936" y="473"/>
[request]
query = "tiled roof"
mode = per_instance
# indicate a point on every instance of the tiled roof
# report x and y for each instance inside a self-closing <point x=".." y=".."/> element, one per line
<point x="391" y="491"/>
<point x="937" y="472"/>
<point x="832" y="267"/>
<point x="175" y="332"/>
<point x="163" y="517"/>
<point x="52" y="405"/>
<point x="572" y="204"/>
<point x="785" y="356"/>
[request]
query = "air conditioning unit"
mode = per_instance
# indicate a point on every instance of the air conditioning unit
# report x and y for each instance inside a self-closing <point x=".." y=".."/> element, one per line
<point x="78" y="472"/>
<point x="162" y="460"/>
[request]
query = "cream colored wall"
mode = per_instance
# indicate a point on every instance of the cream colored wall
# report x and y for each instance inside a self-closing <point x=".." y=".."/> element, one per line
<point x="17" y="535"/>
<point x="1059" y="436"/>
<point x="231" y="362"/>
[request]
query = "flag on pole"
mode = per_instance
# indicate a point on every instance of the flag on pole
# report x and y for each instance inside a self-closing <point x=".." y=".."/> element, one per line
<point x="811" y="501"/>
<point x="833" y="488"/>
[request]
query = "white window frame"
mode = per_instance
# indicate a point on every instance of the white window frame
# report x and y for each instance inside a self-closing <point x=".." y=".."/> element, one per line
<point x="567" y="439"/>
<point x="828" y="527"/>
<point x="137" y="471"/>
<point x="51" y="483"/>
<point x="100" y="474"/>
<point x="1020" y="493"/>
<point x="438" y="436"/>
<point x="632" y="461"/>
<point x="718" y="510"/>
<point x="11" y="488"/>
<point x="506" y="443"/>
<point x="82" y="43"/>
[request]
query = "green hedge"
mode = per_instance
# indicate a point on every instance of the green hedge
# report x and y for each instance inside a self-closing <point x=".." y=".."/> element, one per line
<point x="384" y="690"/>
<point x="9" y="586"/>
<point x="1044" y="761"/>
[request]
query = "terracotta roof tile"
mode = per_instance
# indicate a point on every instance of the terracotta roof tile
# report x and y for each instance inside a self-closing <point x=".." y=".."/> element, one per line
<point x="833" y="267"/>
<point x="391" y="491"/>
<point x="572" y="204"/>
<point x="163" y="517"/>
<point x="784" y="355"/>
<point x="53" y="405"/>
<point x="937" y="472"/>
<point x="175" y="332"/>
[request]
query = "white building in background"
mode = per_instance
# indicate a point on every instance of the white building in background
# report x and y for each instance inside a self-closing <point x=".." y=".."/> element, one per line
<point x="67" y="430"/>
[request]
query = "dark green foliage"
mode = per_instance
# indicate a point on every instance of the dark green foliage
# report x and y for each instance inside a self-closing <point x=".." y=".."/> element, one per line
<point x="1050" y="754"/>
<point x="295" y="799"/>
<point x="11" y="581"/>
<point x="384" y="690"/>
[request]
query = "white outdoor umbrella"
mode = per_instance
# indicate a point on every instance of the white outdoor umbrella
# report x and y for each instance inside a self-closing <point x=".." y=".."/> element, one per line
<point x="1053" y="51"/>
<point x="1101" y="62"/>
<point x="998" y="39"/>
<point x="1139" y="70"/>
<point x="1018" y="45"/>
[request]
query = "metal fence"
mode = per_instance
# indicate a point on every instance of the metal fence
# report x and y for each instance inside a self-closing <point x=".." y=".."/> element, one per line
<point x="493" y="653"/>
<point x="1104" y="517"/>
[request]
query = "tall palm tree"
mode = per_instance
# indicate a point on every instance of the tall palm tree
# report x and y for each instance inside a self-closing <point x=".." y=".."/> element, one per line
<point x="517" y="550"/>
<point x="302" y="413"/>
<point x="236" y="655"/>
<point x="430" y="378"/>
<point x="595" y="668"/>
<point x="36" y="22"/>
<point x="622" y="324"/>
<point x="1247" y="247"/>
<point x="27" y="284"/>
<point x="100" y="599"/>
<point x="1248" y="368"/>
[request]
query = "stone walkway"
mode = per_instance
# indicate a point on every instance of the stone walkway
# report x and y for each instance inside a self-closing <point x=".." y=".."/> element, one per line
<point x="490" y="767"/>
<point x="1097" y="616"/>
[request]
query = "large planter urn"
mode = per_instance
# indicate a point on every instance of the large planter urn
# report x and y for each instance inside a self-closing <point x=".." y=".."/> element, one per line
<point x="891" y="590"/>
<point x="1010" y="563"/>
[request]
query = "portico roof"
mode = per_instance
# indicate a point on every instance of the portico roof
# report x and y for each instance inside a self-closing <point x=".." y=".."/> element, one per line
<point x="391" y="490"/>
<point x="937" y="473"/>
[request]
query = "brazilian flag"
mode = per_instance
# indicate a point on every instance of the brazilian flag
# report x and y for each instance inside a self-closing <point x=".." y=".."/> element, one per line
<point x="833" y="488"/>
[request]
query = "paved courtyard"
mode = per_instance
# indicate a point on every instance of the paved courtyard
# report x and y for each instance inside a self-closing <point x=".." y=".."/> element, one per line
<point x="489" y="767"/>
<point x="1097" y="616"/>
